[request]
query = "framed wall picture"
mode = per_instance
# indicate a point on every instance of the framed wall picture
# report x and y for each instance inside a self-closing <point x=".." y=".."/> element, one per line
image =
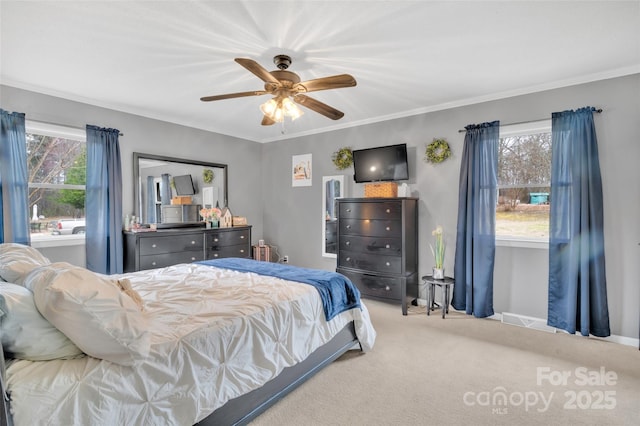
<point x="301" y="170"/>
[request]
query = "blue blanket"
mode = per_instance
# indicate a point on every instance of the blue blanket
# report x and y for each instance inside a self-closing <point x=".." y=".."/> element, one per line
<point x="337" y="292"/>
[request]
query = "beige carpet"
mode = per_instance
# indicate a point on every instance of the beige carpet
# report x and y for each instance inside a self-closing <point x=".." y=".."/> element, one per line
<point x="461" y="370"/>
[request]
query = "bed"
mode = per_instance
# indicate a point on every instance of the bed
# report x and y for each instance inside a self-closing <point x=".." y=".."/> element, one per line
<point x="215" y="342"/>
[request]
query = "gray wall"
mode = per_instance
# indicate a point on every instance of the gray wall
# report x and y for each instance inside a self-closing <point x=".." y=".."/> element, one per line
<point x="292" y="216"/>
<point x="156" y="137"/>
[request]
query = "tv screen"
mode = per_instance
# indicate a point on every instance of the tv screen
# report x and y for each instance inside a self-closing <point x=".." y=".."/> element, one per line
<point x="384" y="163"/>
<point x="183" y="185"/>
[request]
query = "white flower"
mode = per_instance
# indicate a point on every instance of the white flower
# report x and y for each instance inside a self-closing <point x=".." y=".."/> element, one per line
<point x="438" y="251"/>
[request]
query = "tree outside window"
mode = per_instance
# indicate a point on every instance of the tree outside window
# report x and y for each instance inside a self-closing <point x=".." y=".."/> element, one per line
<point x="524" y="181"/>
<point x="57" y="178"/>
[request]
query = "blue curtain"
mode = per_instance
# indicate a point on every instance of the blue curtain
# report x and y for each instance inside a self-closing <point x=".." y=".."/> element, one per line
<point x="165" y="190"/>
<point x="475" y="239"/>
<point x="104" y="201"/>
<point x="14" y="179"/>
<point x="577" y="278"/>
<point x="151" y="201"/>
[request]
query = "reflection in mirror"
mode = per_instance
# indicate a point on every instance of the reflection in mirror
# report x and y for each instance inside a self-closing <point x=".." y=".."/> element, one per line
<point x="332" y="189"/>
<point x="171" y="191"/>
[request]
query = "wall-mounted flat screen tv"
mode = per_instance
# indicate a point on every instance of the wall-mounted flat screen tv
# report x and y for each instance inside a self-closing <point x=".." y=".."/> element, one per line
<point x="183" y="185"/>
<point x="384" y="163"/>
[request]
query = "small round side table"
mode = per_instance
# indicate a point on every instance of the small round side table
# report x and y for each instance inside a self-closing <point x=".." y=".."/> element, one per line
<point x="431" y="284"/>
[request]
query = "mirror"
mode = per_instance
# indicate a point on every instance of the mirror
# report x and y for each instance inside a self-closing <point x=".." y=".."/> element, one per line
<point x="171" y="191"/>
<point x="332" y="189"/>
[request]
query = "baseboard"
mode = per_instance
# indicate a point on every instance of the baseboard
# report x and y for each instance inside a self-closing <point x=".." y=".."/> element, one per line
<point x="622" y="340"/>
<point x="541" y="325"/>
<point x="527" y="322"/>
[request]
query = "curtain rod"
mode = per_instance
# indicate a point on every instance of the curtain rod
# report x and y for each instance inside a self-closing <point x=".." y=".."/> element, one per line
<point x="599" y="110"/>
<point x="63" y="125"/>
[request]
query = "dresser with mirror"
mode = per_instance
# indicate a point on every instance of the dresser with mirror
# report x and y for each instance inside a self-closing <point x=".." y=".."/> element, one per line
<point x="169" y="193"/>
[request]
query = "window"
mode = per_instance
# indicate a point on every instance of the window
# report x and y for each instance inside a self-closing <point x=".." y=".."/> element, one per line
<point x="56" y="164"/>
<point x="524" y="181"/>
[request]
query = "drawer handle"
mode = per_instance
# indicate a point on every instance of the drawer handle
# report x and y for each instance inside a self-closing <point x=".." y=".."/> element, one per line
<point x="242" y="237"/>
<point x="387" y="288"/>
<point x="215" y="239"/>
<point x="387" y="246"/>
<point x="153" y="263"/>
<point x="348" y="226"/>
<point x="388" y="264"/>
<point x="348" y="243"/>
<point x="215" y="255"/>
<point x="241" y="250"/>
<point x="193" y="242"/>
<point x="349" y="210"/>
<point x="388" y="210"/>
<point x="193" y="258"/>
<point x="348" y="259"/>
<point x="153" y="245"/>
<point x="388" y="228"/>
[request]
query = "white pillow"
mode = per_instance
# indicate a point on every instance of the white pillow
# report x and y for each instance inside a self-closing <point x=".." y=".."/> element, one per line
<point x="17" y="260"/>
<point x="91" y="311"/>
<point x="25" y="333"/>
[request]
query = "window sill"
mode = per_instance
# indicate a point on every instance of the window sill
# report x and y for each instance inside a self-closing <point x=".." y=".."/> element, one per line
<point x="46" y="241"/>
<point x="534" y="243"/>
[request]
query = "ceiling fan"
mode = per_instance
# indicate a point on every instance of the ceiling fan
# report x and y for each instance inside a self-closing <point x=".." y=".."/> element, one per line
<point x="287" y="87"/>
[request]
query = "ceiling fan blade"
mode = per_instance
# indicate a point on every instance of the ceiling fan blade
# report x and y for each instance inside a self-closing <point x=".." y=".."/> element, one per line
<point x="266" y="121"/>
<point x="325" y="83"/>
<point x="233" y="95"/>
<point x="258" y="70"/>
<point x="318" y="107"/>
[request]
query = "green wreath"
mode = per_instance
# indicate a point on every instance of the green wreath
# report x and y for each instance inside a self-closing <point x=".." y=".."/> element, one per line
<point x="342" y="158"/>
<point x="437" y="151"/>
<point x="207" y="175"/>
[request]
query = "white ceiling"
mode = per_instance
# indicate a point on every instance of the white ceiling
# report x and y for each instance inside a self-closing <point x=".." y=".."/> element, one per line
<point x="156" y="59"/>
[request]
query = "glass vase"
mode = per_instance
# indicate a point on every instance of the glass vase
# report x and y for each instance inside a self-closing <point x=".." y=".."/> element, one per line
<point x="438" y="273"/>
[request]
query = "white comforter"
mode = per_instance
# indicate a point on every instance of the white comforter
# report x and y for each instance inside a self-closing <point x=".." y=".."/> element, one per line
<point x="216" y="334"/>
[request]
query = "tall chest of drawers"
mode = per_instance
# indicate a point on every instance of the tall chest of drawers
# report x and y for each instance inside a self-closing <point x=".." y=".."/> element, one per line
<point x="378" y="247"/>
<point x="166" y="247"/>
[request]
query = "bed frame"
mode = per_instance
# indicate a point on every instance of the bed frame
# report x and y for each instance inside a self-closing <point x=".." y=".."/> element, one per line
<point x="5" y="416"/>
<point x="243" y="409"/>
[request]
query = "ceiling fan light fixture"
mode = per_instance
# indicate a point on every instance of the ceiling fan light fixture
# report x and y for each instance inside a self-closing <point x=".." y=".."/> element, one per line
<point x="280" y="107"/>
<point x="278" y="114"/>
<point x="291" y="109"/>
<point x="288" y="91"/>
<point x="268" y="108"/>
